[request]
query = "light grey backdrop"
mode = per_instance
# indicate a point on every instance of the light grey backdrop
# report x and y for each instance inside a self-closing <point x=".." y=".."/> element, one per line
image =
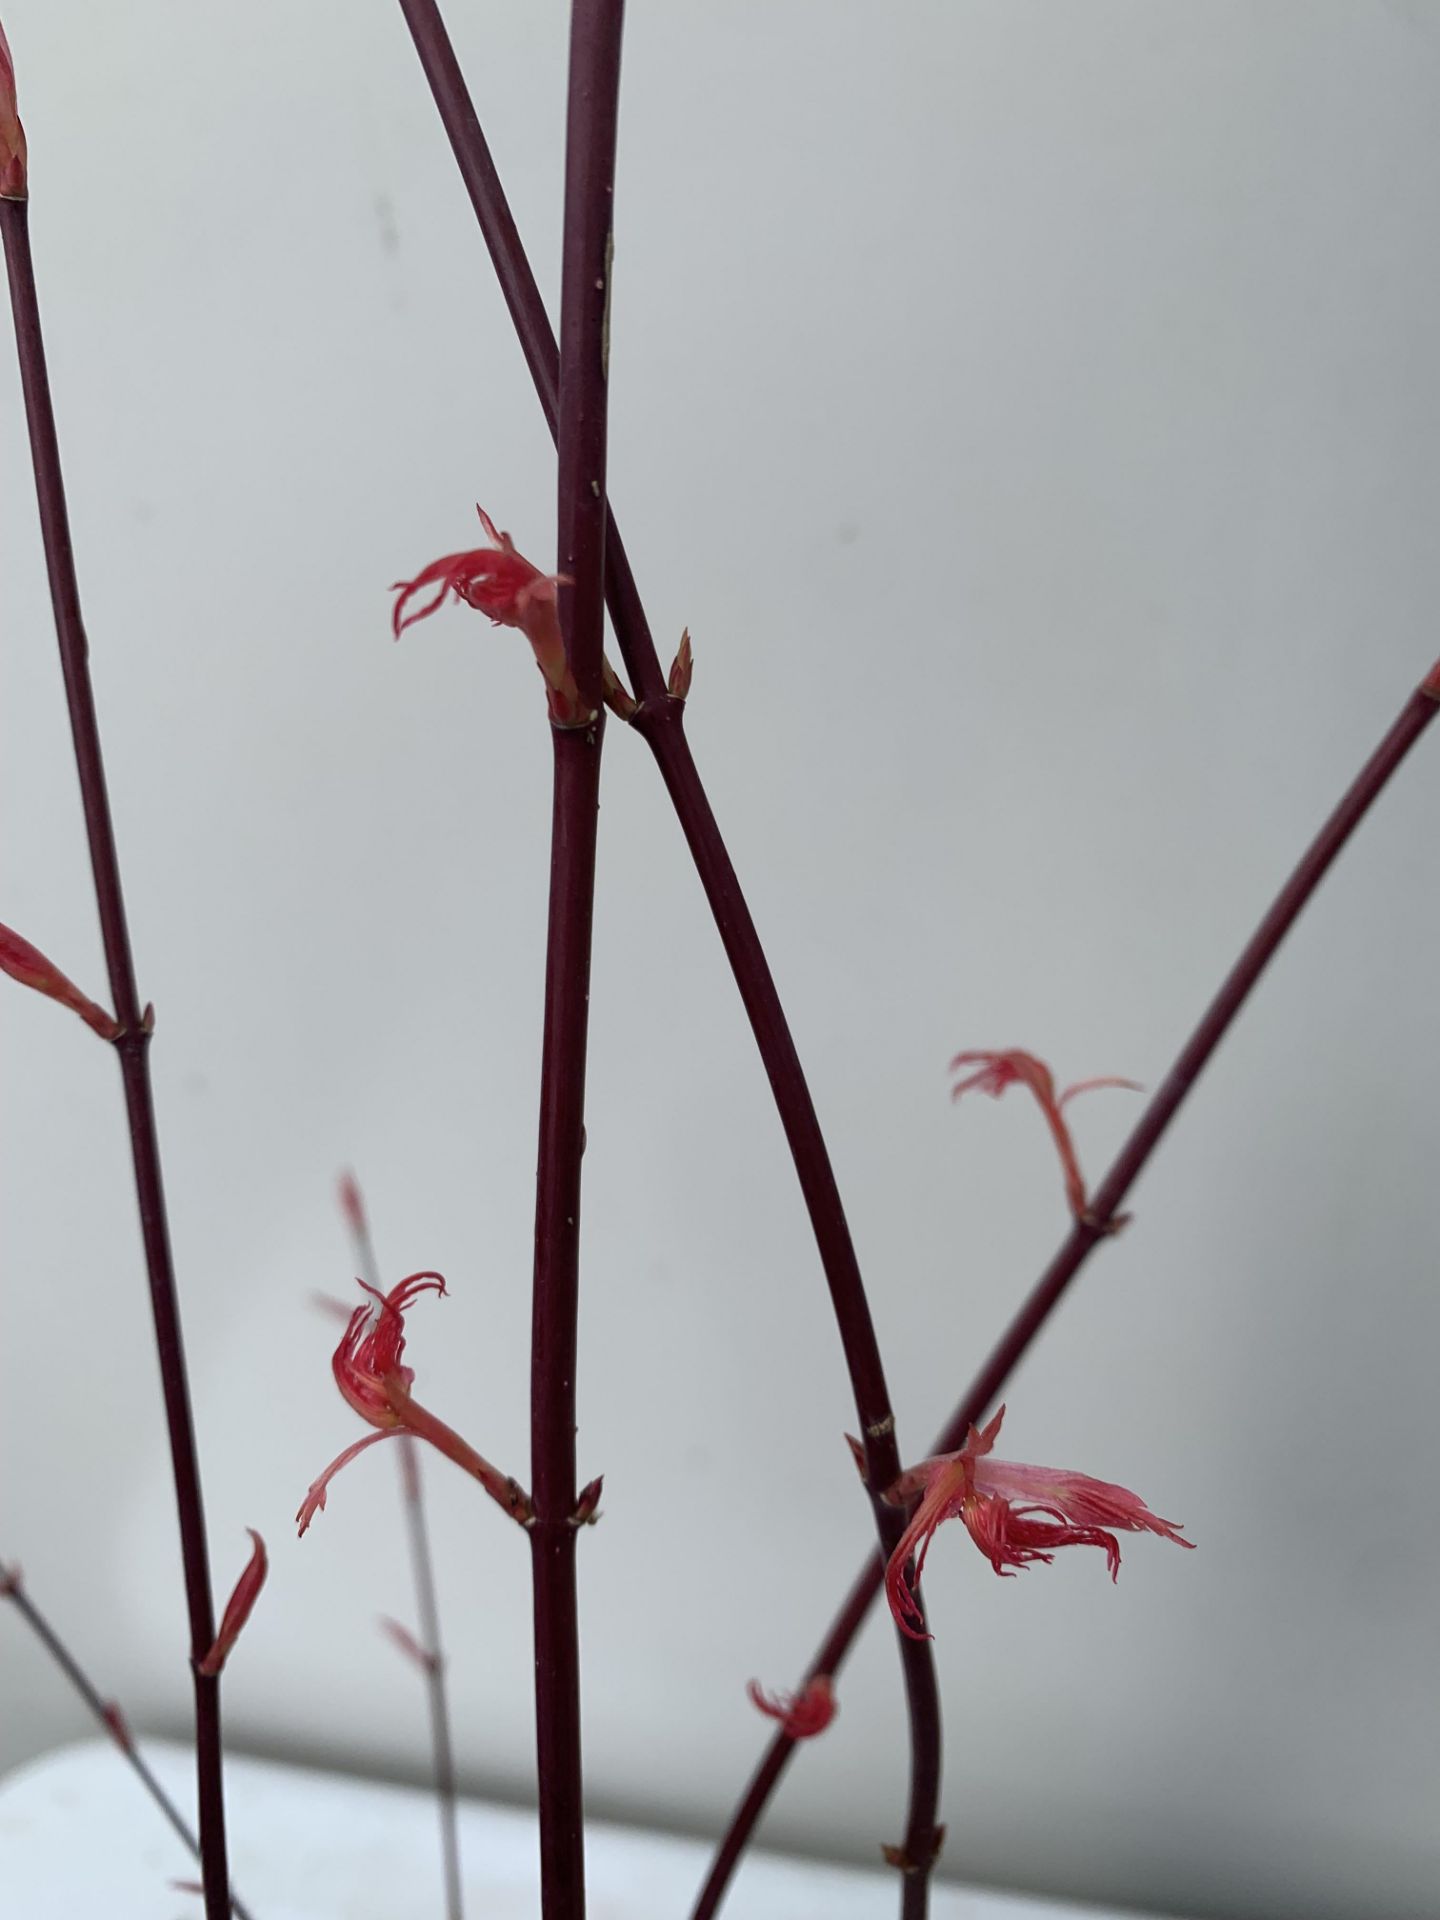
<point x="1032" y="409"/>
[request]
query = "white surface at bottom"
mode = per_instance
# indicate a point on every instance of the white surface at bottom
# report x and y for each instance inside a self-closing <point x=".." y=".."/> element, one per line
<point x="79" y="1837"/>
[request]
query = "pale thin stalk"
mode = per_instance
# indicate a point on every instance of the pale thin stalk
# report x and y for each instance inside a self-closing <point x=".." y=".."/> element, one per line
<point x="427" y="1607"/>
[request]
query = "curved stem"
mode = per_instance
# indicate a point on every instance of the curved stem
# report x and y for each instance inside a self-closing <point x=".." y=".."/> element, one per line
<point x="132" y="1045"/>
<point x="1417" y="713"/>
<point x="663" y="731"/>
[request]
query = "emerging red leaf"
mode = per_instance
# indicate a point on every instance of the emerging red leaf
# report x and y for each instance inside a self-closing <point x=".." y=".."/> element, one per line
<point x="802" y="1714"/>
<point x="119" y="1726"/>
<point x="587" y="1506"/>
<point x="242" y="1604"/>
<point x="408" y="1644"/>
<point x="32" y="969"/>
<point x="1015" y="1514"/>
<point x="499" y="581"/>
<point x="682" y="669"/>
<point x="14" y="170"/>
<point x="1011" y="1067"/>
<point x="370" y="1374"/>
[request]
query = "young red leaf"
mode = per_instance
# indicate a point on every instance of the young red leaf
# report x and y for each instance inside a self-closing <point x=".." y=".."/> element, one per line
<point x="370" y="1374"/>
<point x="1015" y="1514"/>
<point x="242" y="1604"/>
<point x="499" y="581"/>
<point x="1011" y="1067"/>
<point x="14" y="171"/>
<point x="32" y="969"/>
<point x="802" y="1714"/>
<point x="408" y="1644"/>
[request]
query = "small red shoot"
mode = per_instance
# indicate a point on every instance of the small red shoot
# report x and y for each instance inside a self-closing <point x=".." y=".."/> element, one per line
<point x="14" y="170"/>
<point x="587" y="1507"/>
<point x="682" y="669"/>
<point x="1015" y="1514"/>
<point x="408" y="1644"/>
<point x="1010" y="1067"/>
<point x="32" y="969"/>
<point x="242" y="1604"/>
<point x="802" y="1715"/>
<point x="370" y="1374"/>
<point x="119" y="1727"/>
<point x="499" y="581"/>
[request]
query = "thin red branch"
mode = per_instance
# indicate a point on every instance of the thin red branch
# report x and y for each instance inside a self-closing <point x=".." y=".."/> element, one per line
<point x="132" y="1043"/>
<point x="596" y="28"/>
<point x="13" y="1589"/>
<point x="660" y="720"/>
<point x="1417" y="713"/>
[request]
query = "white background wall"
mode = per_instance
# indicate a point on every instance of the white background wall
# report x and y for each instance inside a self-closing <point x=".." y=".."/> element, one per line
<point x="1033" y="410"/>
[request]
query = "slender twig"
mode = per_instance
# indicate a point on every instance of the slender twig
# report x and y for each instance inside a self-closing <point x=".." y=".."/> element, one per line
<point x="132" y="1044"/>
<point x="1417" y="713"/>
<point x="422" y="1568"/>
<point x="660" y="720"/>
<point x="14" y="1589"/>
<point x="428" y="1615"/>
<point x="595" y="36"/>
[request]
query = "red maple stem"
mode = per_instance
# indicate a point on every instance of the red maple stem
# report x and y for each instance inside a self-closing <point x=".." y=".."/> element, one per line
<point x="554" y="1321"/>
<point x="14" y="1589"/>
<point x="132" y="1043"/>
<point x="596" y="28"/>
<point x="1417" y="713"/>
<point x="660" y="720"/>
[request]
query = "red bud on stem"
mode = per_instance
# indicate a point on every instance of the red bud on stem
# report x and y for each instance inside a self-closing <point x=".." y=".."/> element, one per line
<point x="14" y="170"/>
<point x="242" y="1602"/>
